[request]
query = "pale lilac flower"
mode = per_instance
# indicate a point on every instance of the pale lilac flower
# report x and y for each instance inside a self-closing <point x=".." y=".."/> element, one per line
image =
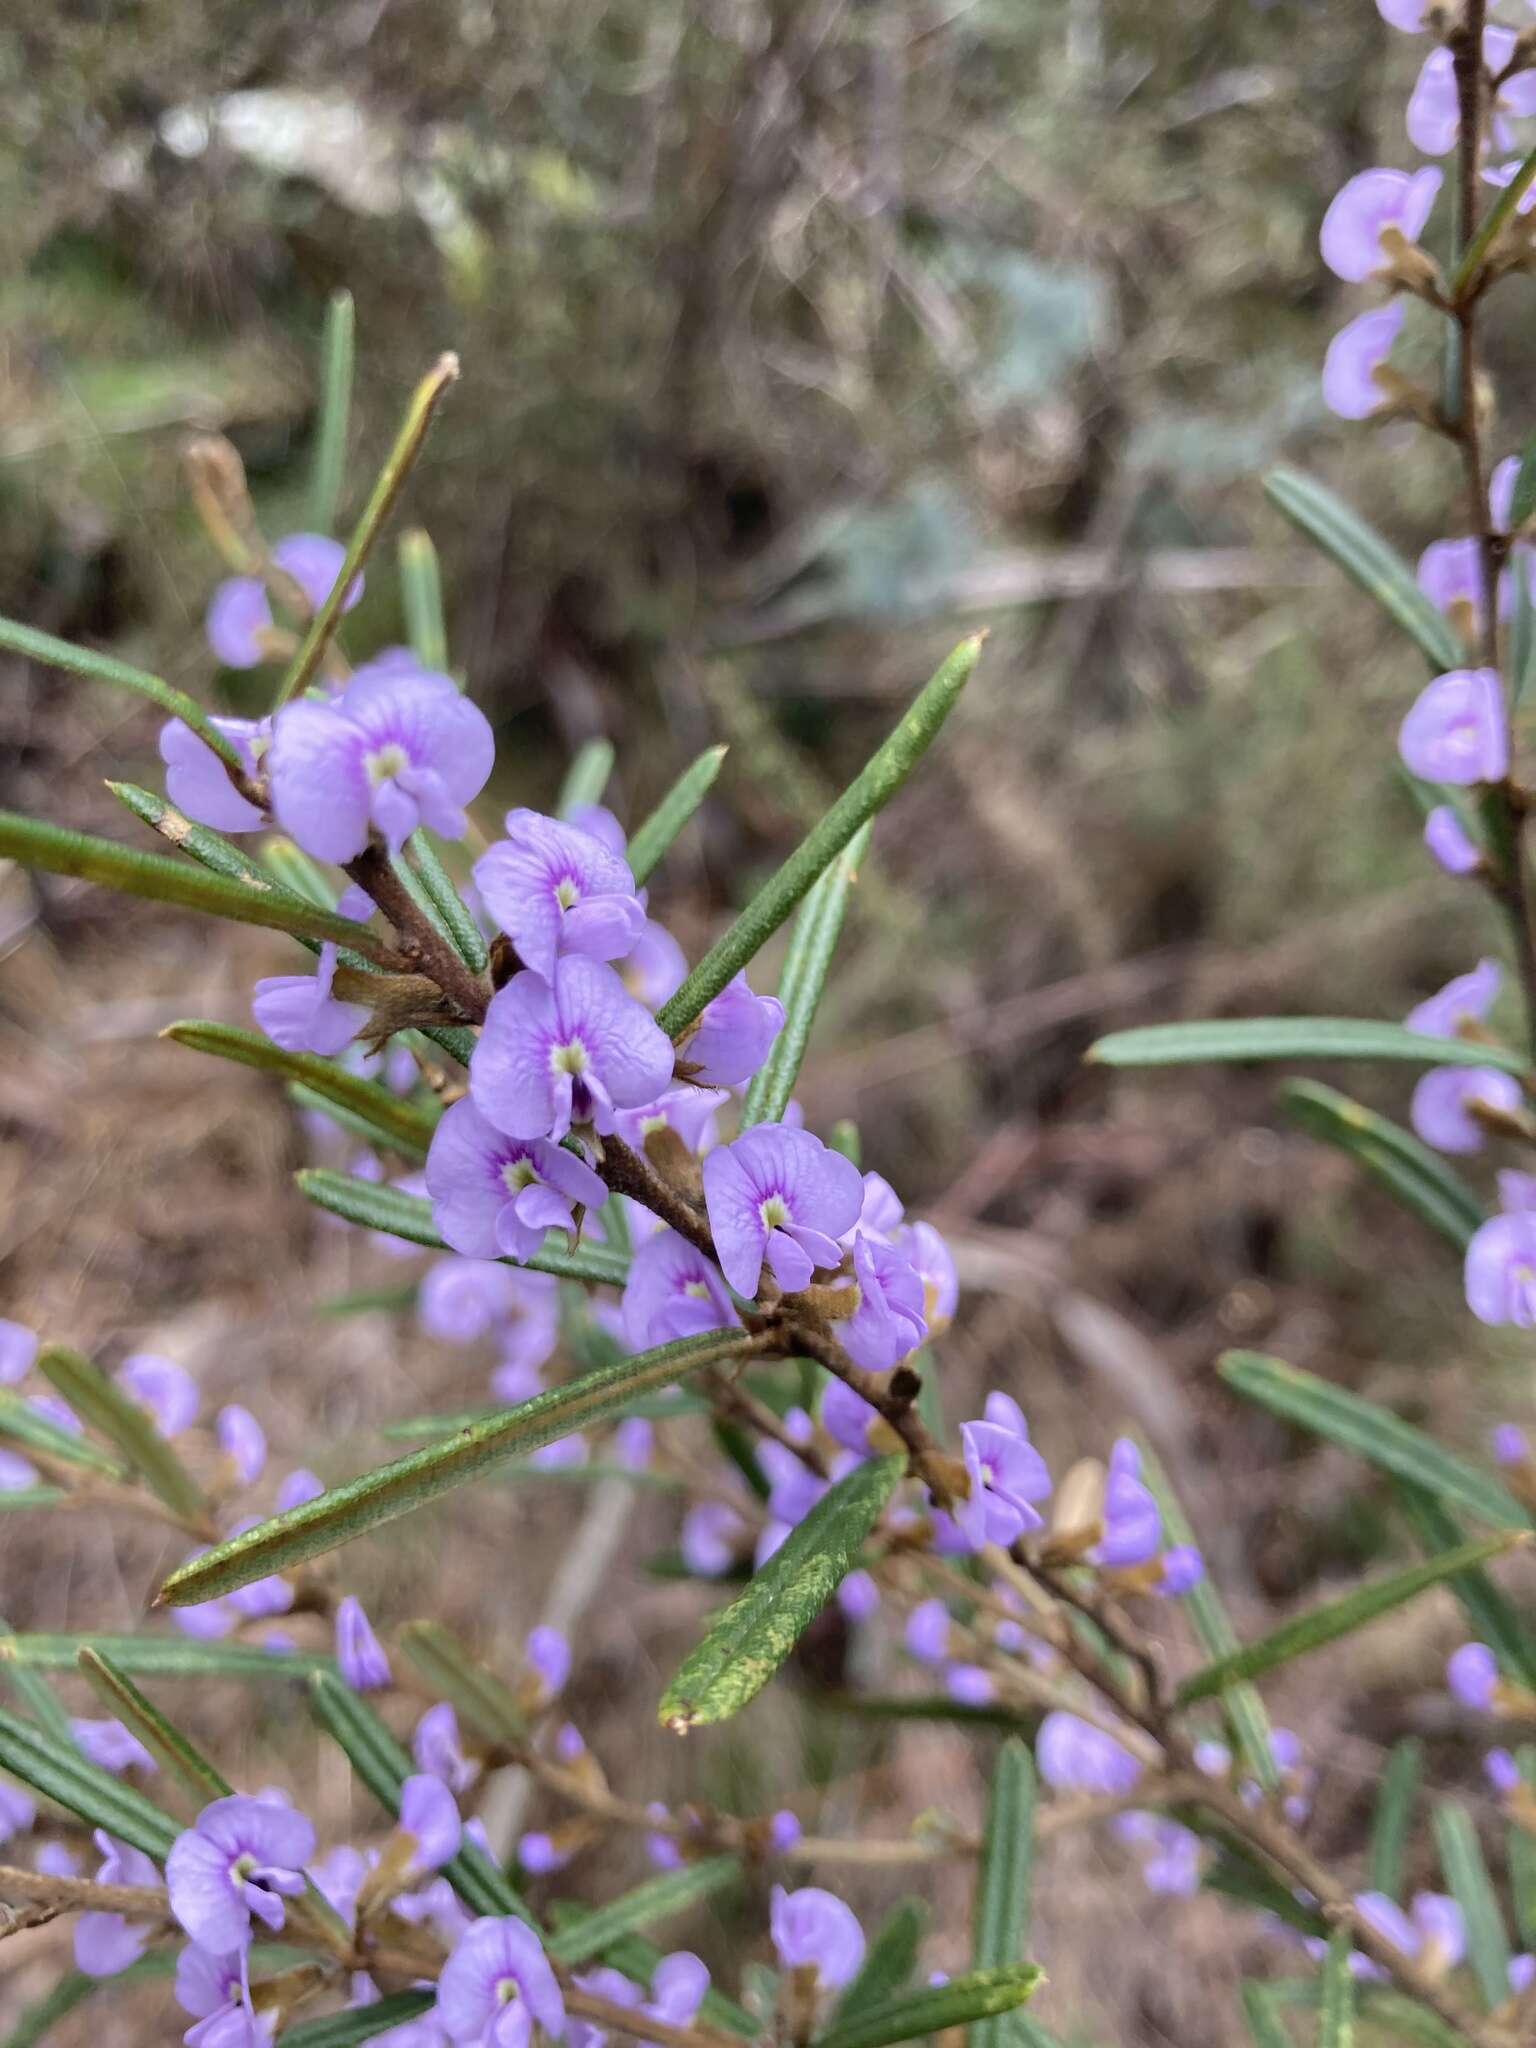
<point x="18" y="1351"/>
<point x="1408" y="15"/>
<point x="299" y="1013"/>
<point x="564" y="1454"/>
<point x="1133" y="1528"/>
<point x="930" y="1257"/>
<point x="496" y="1986"/>
<point x="735" y="1033"/>
<point x="429" y="1813"/>
<point x="655" y="967"/>
<point x="164" y="1388"/>
<point x="572" y="1049"/>
<point x="340" y="1875"/>
<point x="602" y="1983"/>
<point x="1500" y="1270"/>
<point x="435" y="1905"/>
<point x="214" y="1990"/>
<point x="687" y="1110"/>
<point x="1436" y="1924"/>
<point x="16" y="1475"/>
<point x="300" y="1485"/>
<point x="847" y="1417"/>
<point x="1448" y="842"/>
<point x="1466" y="999"/>
<point x="1183" y="1568"/>
<point x="815" y="1930"/>
<point x="555" y="889"/>
<point x="243" y="1441"/>
<point x="1510" y="1445"/>
<point x="495" y="1196"/>
<point x="569" y="1744"/>
<point x="1472" y="1673"/>
<point x="435" y="1746"/>
<point x="633" y="1442"/>
<point x="888" y="1322"/>
<point x="1172" y="1865"/>
<point x="1506" y="474"/>
<point x="779" y="1195"/>
<point x="1450" y="572"/>
<point x="112" y="1747"/>
<point x="710" y="1539"/>
<point x="196" y="780"/>
<point x="662" y="1849"/>
<point x="17" y="1812"/>
<point x="359" y="1653"/>
<point x="56" y="1411"/>
<point x="1456" y="730"/>
<point x="1351" y="387"/>
<point x="858" y="1596"/>
<point x="1433" y="111"/>
<point x="927" y="1632"/>
<point x="1502" y="1772"/>
<point x="678" y="1984"/>
<point x="239" y="613"/>
<point x="207" y="1619"/>
<point x="530" y="1337"/>
<point x="1006" y="1472"/>
<point x="461" y="1300"/>
<point x="54" y="1860"/>
<point x="106" y="1943"/>
<point x="971" y="1685"/>
<point x="549" y="1655"/>
<point x="1440" y="1111"/>
<point x="1522" y="1972"/>
<point x="784" y="1831"/>
<point x="395" y="750"/>
<point x="673" y="1291"/>
<point x="242" y="1857"/>
<point x="601" y="824"/>
<point x="1075" y="1756"/>
<point x="1362" y="209"/>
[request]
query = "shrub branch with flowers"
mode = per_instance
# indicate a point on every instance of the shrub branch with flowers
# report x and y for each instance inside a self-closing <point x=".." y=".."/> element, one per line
<point x="602" y="1147"/>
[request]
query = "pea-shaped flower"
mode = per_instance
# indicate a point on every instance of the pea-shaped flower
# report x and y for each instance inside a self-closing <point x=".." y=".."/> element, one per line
<point x="735" y="1033"/>
<point x="779" y="1195"/>
<point x="1361" y="210"/>
<point x="239" y="614"/>
<point x="555" y="889"/>
<point x="572" y="1048"/>
<point x="196" y="780"/>
<point x="494" y="1196"/>
<point x="1456" y="730"/>
<point x="240" y="1860"/>
<point x="1006" y="1472"/>
<point x="496" y="1986"/>
<point x="1075" y="1756"/>
<point x="673" y="1291"/>
<point x="815" y="1930"/>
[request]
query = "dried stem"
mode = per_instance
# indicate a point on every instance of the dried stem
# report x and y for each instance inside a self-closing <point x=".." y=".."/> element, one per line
<point x="422" y="945"/>
<point x="84" y="1895"/>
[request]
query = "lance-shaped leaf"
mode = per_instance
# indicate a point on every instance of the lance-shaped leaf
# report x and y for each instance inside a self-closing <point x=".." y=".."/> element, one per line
<point x="1467" y="1880"/>
<point x="126" y="1426"/>
<point x="404" y="1125"/>
<point x="1363" y="555"/>
<point x="663" y="1407"/>
<point x="888" y="1962"/>
<point x="1393" y="1818"/>
<point x="165" y="1656"/>
<point x="1263" y="2016"/>
<point x="1236" y="1874"/>
<point x="812" y="943"/>
<point x="978" y="1995"/>
<point x="1294" y="1038"/>
<point x="21" y="1424"/>
<point x="344" y="1512"/>
<point x="33" y="1689"/>
<point x="1465" y="277"/>
<point x="479" y="1696"/>
<point x="746" y="1644"/>
<point x="871" y="789"/>
<point x="1416" y="1177"/>
<point x="653" y="838"/>
<point x="586" y="778"/>
<point x="1520" y="1848"/>
<point x="1342" y="1617"/>
<point x="144" y="1719"/>
<point x="1000" y="1915"/>
<point x="421" y="594"/>
<point x="363" y="1301"/>
<point x="361" y="2023"/>
<point x="1493" y="1618"/>
<point x="1373" y="1433"/>
<point x="60" y="1773"/>
<point x="384" y="1767"/>
<point x="445" y="905"/>
<point x="15" y="1500"/>
<point x="329" y="466"/>
<point x="59" y="852"/>
<point x="1336" y="2018"/>
<point x="208" y="848"/>
<point x="409" y="1216"/>
<point x="659" y="1898"/>
<point x="118" y="675"/>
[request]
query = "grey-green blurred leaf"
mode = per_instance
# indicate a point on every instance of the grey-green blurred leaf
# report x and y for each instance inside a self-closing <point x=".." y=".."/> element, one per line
<point x="978" y="1995"/>
<point x="1363" y="555"/>
<point x="871" y="789"/>
<point x="165" y="1656"/>
<point x="1000" y="1915"/>
<point x="397" y="1301"/>
<point x="60" y="1773"/>
<point x="663" y="1407"/>
<point x="21" y="1424"/>
<point x="421" y="592"/>
<point x="1293" y="1038"/>
<point x="395" y="1122"/>
<point x="1418" y="1178"/>
<point x="118" y="675"/>
<point x="1470" y="262"/>
<point x="888" y="1962"/>
<point x="1264" y="2021"/>
<point x="104" y="1406"/>
<point x="328" y="474"/>
<point x="1520" y="1848"/>
<point x="33" y="1689"/>
<point x="360" y="2023"/>
<point x="16" y="1500"/>
<point x="651" y="840"/>
<point x="449" y="909"/>
<point x="1336" y="2020"/>
<point x="580" y="1939"/>
<point x="37" y="2023"/>
<point x="344" y="1512"/>
<point x="1393" y="1818"/>
<point x="478" y="1695"/>
<point x="143" y="1718"/>
<point x="746" y="1644"/>
<point x="1468" y="1881"/>
<point x="586" y="778"/>
<point x="1494" y="1620"/>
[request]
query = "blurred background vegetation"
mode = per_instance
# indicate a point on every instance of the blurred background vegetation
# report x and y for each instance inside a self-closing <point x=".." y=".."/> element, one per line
<point x="799" y="336"/>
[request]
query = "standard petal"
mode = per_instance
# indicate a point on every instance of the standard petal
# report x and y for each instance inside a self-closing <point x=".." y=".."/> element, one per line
<point x="319" y="784"/>
<point x="737" y="1227"/>
<point x="509" y="1073"/>
<point x="631" y="1053"/>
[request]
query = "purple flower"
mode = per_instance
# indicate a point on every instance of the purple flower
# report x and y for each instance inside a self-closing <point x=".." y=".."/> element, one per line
<point x="1408" y="15"/>
<point x="1440" y="1109"/>
<point x="1450" y="573"/>
<point x="930" y="1257"/>
<point x="359" y="1652"/>
<point x="687" y="1110"/>
<point x="927" y="1632"/>
<point x="18" y="1350"/>
<point x="300" y="1485"/>
<point x="815" y="1930"/>
<point x="784" y="1831"/>
<point x="601" y="1983"/>
<point x="575" y="1048"/>
<point x="1472" y="1673"/>
<point x="539" y="1854"/>
<point x="242" y="1857"/>
<point x="888" y="1322"/>
<point x="1183" y="1568"/>
<point x="262" y="1597"/>
<point x="1173" y="1865"/>
<point x="339" y="1877"/>
<point x="169" y="1393"/>
<point x="395" y="750"/>
<point x="243" y="1441"/>
<point x="1436" y="1924"/>
<point x="1433" y="112"/>
<point x="1133" y="1528"/>
<point x="710" y="1538"/>
<point x="299" y="1013"/>
<point x="1006" y="1472"/>
<point x="17" y="1812"/>
<point x="1351" y="387"/>
<point x="555" y="889"/>
<point x="1075" y="1756"/>
<point x="1502" y="1772"/>
<point x="435" y="1746"/>
<point x="662" y="1849"/>
<point x="1456" y="730"/>
<point x="112" y="1747"/>
<point x="633" y="1442"/>
<point x="847" y="1417"/>
<point x="239" y="614"/>
<point x="1522" y="1972"/>
<point x="213" y="1989"/>
<point x="734" y="1035"/>
<point x="1465" y="999"/>
<point x="16" y="1475"/>
<point x="106" y="1943"/>
<point x="461" y="1300"/>
<point x="53" y="1859"/>
<point x="971" y="1685"/>
<point x="549" y="1655"/>
<point x="429" y="1813"/>
<point x="781" y="1195"/>
<point x="1448" y="841"/>
<point x="655" y="967"/>
<point x="673" y="1291"/>
<point x="495" y="1196"/>
<point x="1510" y="1445"/>
<point x="196" y="780"/>
<point x="601" y="824"/>
<point x="1369" y="203"/>
<point x="58" y="1412"/>
<point x="496" y="1986"/>
<point x="858" y="1596"/>
<point x="678" y="1984"/>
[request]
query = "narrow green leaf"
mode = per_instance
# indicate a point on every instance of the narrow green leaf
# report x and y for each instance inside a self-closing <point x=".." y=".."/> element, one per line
<point x="144" y="1719"/>
<point x="311" y="1100"/>
<point x="361" y="2023"/>
<point x="1402" y="2019"/>
<point x="871" y="789"/>
<point x="102" y="1404"/>
<point x="1467" y="1879"/>
<point x="1341" y="1617"/>
<point x="1522" y="637"/>
<point x="384" y="1208"/>
<point x="344" y="1512"/>
<point x="59" y="852"/>
<point x="421" y="591"/>
<point x="844" y="1137"/>
<point x="1363" y="555"/>
<point x="118" y="675"/>
<point x="1236" y="1874"/>
<point x="384" y="1767"/>
<point x="15" y="1499"/>
<point x="479" y="1696"/>
<point x="208" y="848"/>
<point x="37" y="2023"/>
<point x="164" y="1656"/>
<point x="1418" y="1178"/>
<point x="746" y="1644"/>
<point x="579" y="1940"/>
<point x="365" y="1300"/>
<point x="1336" y="2020"/>
<point x="666" y="1406"/>
<point x="404" y="1125"/>
<point x="1393" y="1818"/>
<point x="1000" y="1915"/>
<point x="1520" y="1850"/>
<point x="586" y="778"/>
<point x="328" y="474"/>
<point x="652" y="839"/>
<point x="292" y="869"/>
<point x="1493" y="1618"/>
<point x="1264" y="2022"/>
<point x="22" y="1424"/>
<point x="1293" y="1038"/>
<point x="978" y="1995"/>
<point x="60" y="1773"/>
<point x="1373" y="1433"/>
<point x="931" y="1707"/>
<point x="637" y="1958"/>
<point x="818" y="925"/>
<point x="888" y="1962"/>
<point x="1494" y="222"/>
<point x="450" y="910"/>
<point x="33" y="1690"/>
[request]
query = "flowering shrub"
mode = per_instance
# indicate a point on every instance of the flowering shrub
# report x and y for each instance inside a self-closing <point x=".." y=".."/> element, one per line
<point x="601" y="1148"/>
